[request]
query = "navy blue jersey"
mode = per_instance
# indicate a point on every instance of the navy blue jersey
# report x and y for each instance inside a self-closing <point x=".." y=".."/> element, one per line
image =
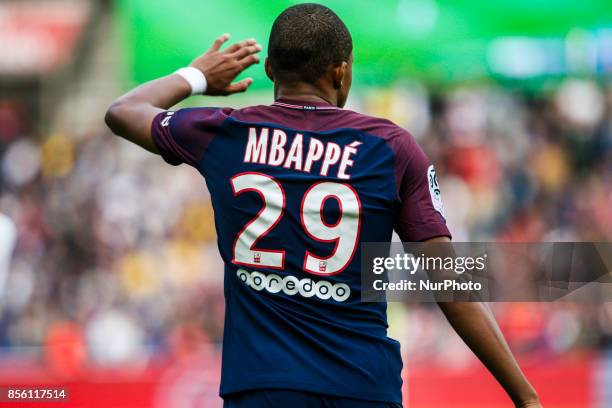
<point x="295" y="190"/>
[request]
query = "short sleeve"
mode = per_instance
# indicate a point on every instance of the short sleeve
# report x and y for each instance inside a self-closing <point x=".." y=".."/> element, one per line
<point x="182" y="136"/>
<point x="420" y="215"/>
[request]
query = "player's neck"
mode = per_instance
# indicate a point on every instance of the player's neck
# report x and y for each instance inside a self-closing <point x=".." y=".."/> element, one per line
<point x="302" y="92"/>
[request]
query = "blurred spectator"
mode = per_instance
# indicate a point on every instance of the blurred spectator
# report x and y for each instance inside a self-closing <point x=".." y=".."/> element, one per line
<point x="122" y="246"/>
<point x="8" y="235"/>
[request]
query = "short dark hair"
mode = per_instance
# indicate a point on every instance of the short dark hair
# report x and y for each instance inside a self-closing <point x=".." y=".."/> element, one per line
<point x="305" y="40"/>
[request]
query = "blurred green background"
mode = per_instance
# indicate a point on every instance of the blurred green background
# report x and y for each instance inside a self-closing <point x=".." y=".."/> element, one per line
<point x="437" y="41"/>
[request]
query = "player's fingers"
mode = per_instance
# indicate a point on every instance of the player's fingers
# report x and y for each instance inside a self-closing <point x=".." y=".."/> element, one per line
<point x="216" y="46"/>
<point x="248" y="61"/>
<point x="244" y="51"/>
<point x="244" y="43"/>
<point x="239" y="86"/>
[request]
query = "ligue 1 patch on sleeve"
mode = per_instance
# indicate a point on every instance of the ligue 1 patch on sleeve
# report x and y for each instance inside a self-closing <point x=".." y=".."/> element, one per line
<point x="434" y="190"/>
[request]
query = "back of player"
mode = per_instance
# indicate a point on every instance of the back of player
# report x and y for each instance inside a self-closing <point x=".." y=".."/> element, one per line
<point x="296" y="189"/>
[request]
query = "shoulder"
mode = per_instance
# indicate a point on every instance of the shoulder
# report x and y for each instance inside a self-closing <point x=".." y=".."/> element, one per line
<point x="189" y="120"/>
<point x="267" y="114"/>
<point x="374" y="125"/>
<point x="394" y="135"/>
<point x="199" y="114"/>
<point x="398" y="138"/>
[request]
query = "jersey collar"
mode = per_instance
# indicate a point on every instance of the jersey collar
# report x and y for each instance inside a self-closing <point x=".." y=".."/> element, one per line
<point x="303" y="105"/>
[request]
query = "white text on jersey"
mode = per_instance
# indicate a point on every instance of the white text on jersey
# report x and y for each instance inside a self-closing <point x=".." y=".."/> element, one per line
<point x="274" y="151"/>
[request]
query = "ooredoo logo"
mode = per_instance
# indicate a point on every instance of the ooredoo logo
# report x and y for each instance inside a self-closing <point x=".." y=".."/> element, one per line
<point x="290" y="285"/>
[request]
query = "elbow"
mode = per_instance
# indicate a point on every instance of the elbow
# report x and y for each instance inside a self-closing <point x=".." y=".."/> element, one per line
<point x="113" y="116"/>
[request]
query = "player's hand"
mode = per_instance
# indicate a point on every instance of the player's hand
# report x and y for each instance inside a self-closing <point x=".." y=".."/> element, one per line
<point x="221" y="67"/>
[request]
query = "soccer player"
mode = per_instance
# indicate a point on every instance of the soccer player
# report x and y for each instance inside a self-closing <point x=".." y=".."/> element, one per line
<point x="296" y="187"/>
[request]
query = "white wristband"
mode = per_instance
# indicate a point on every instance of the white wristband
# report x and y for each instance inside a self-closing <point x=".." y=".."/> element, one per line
<point x="195" y="78"/>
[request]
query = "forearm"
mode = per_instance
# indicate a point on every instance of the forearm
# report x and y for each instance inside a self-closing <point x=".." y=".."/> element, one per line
<point x="162" y="93"/>
<point x="131" y="114"/>
<point x="476" y="325"/>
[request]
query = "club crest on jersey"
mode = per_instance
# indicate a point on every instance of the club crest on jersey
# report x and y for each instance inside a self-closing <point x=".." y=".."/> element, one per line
<point x="434" y="190"/>
<point x="322" y="266"/>
<point x="257" y="257"/>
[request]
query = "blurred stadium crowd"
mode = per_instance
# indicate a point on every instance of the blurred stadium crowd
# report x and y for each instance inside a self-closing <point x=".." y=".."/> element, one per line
<point x="116" y="261"/>
<point x="116" y="250"/>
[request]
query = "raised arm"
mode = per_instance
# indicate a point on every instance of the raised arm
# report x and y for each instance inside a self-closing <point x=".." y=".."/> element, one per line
<point x="475" y="324"/>
<point x="130" y="116"/>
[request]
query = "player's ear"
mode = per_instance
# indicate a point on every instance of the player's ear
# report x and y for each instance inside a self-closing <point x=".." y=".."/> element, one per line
<point x="268" y="68"/>
<point x="338" y="72"/>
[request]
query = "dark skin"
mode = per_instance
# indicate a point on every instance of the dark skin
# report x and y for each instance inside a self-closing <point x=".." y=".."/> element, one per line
<point x="339" y="76"/>
<point x="131" y="115"/>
